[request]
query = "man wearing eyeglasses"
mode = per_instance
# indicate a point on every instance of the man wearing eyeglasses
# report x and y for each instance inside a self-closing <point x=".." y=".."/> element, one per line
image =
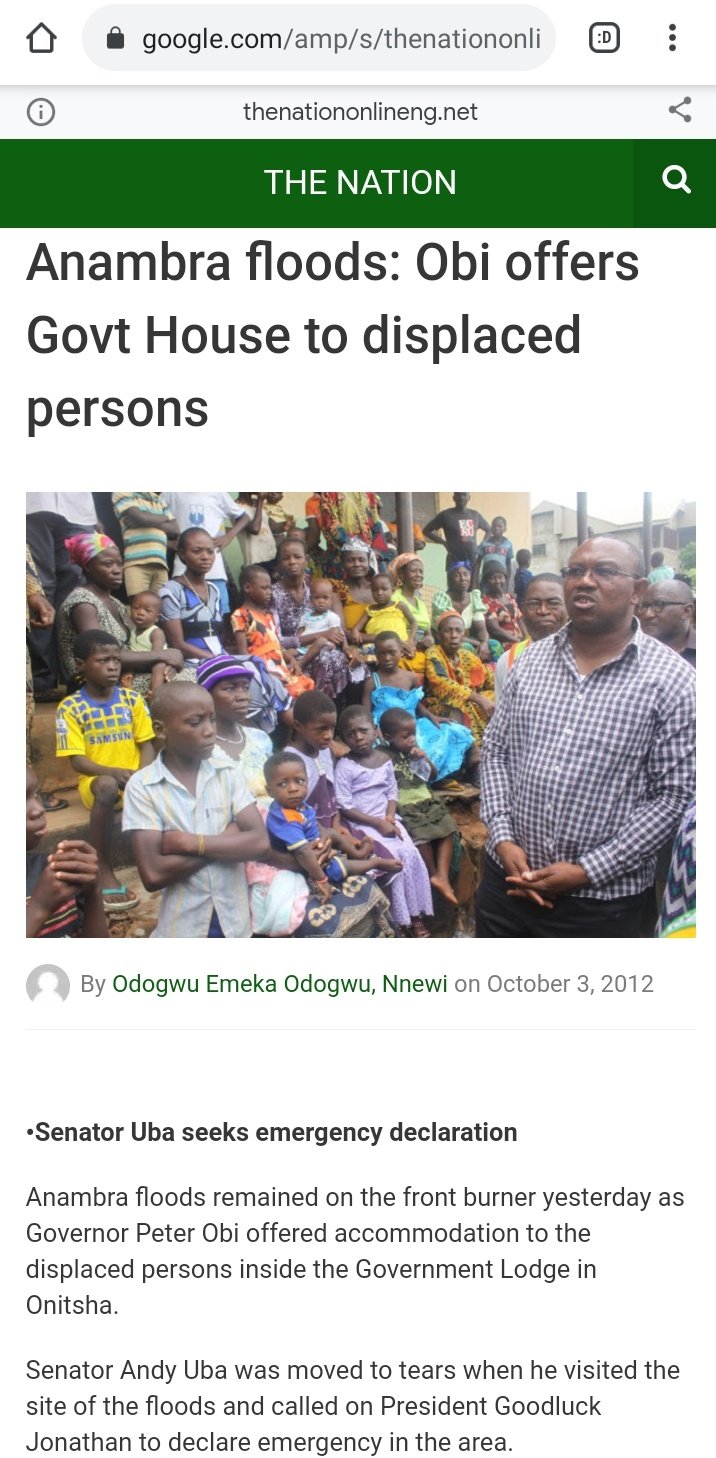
<point x="588" y="763"/>
<point x="667" y="612"/>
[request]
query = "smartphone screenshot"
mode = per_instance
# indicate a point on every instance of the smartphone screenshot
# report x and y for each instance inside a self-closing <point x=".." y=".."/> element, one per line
<point x="358" y="393"/>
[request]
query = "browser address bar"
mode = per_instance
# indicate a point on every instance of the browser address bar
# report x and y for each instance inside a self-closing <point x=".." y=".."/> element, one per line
<point x="336" y="38"/>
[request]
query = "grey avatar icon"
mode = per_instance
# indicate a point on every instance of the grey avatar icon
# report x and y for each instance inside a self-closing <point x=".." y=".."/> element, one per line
<point x="48" y="985"/>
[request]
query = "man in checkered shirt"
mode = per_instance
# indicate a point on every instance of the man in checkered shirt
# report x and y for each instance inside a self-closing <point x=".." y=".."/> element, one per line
<point x="588" y="764"/>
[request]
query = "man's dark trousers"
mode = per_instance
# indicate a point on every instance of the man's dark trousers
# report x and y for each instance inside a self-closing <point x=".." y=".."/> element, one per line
<point x="45" y="534"/>
<point x="500" y="915"/>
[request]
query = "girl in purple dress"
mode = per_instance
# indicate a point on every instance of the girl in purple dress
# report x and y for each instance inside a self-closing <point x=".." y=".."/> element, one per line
<point x="367" y="793"/>
<point x="313" y="733"/>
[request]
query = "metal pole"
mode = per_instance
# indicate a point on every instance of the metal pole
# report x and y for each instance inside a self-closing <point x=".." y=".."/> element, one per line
<point x="648" y="527"/>
<point x="404" y="514"/>
<point x="582" y="517"/>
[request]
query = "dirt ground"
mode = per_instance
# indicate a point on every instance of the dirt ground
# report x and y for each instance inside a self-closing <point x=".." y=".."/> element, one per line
<point x="139" y="923"/>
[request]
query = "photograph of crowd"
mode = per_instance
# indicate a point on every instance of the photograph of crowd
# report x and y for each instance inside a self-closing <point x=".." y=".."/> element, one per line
<point x="449" y="714"/>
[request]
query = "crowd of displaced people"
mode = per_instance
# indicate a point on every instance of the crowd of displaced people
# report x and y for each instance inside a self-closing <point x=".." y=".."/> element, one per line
<point x="283" y="751"/>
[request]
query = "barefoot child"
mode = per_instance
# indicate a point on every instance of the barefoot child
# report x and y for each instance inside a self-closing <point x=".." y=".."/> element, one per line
<point x="449" y="746"/>
<point x="63" y="895"/>
<point x="367" y="794"/>
<point x="106" y="733"/>
<point x="426" y="820"/>
<point x="313" y="733"/>
<point x="293" y="826"/>
<point x="194" y="823"/>
<point x="147" y="637"/>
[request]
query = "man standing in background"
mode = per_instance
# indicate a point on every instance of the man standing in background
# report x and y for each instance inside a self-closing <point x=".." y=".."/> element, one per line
<point x="459" y="527"/>
<point x="51" y="517"/>
<point x="147" y="528"/>
<point x="265" y="525"/>
<point x="667" y="612"/>
<point x="544" y="613"/>
<point x="659" y="573"/>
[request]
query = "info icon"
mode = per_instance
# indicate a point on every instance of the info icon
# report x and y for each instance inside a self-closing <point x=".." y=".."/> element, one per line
<point x="604" y="37"/>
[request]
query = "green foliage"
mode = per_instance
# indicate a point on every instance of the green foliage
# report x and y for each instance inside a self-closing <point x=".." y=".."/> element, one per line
<point x="687" y="563"/>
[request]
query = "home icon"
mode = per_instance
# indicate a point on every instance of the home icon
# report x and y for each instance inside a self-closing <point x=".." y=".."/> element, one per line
<point x="42" y="40"/>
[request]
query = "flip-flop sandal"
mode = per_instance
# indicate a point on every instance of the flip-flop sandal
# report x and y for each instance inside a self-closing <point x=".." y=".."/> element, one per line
<point x="420" y="930"/>
<point x="111" y="906"/>
<point x="52" y="803"/>
<point x="456" y="790"/>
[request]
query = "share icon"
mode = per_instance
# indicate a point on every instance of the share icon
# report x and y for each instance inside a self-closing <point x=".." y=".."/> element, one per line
<point x="676" y="110"/>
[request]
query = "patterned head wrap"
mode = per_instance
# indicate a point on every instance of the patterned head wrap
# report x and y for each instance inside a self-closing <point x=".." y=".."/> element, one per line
<point x="355" y="544"/>
<point x="467" y="565"/>
<point x="399" y="563"/>
<point x="217" y="670"/>
<point x="446" y="617"/>
<point x="86" y="545"/>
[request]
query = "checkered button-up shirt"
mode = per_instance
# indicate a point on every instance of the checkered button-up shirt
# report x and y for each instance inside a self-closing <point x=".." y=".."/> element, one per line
<point x="595" y="770"/>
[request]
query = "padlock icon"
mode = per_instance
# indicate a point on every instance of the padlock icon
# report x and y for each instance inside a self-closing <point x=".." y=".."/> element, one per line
<point x="115" y="39"/>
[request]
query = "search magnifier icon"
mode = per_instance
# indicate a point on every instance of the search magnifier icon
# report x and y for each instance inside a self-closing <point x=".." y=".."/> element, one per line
<point x="675" y="171"/>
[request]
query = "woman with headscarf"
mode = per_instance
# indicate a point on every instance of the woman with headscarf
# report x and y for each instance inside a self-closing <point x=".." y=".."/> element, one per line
<point x="342" y="516"/>
<point x="229" y="681"/>
<point x="408" y="573"/>
<point x="95" y="606"/>
<point x="504" y="619"/>
<point x="466" y="600"/>
<point x="353" y="588"/>
<point x="458" y="684"/>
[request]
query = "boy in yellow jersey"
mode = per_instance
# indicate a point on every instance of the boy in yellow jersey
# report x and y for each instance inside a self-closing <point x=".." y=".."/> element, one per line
<point x="106" y="732"/>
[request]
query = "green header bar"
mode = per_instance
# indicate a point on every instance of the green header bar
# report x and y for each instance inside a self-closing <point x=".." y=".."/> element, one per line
<point x="498" y="184"/>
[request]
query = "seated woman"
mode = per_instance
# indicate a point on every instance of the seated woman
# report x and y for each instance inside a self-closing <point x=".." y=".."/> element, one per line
<point x="409" y="574"/>
<point x="504" y="619"/>
<point x="278" y="897"/>
<point x="256" y="632"/>
<point x="328" y="665"/>
<point x="191" y="605"/>
<point x="229" y="681"/>
<point x="449" y="746"/>
<point x="461" y="597"/>
<point x="458" y="684"/>
<point x="95" y="606"/>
